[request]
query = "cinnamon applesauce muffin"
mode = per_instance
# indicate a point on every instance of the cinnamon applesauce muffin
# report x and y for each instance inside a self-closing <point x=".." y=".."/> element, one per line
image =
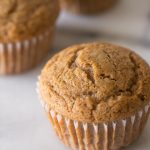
<point x="96" y="95"/>
<point x="87" y="6"/>
<point x="26" y="33"/>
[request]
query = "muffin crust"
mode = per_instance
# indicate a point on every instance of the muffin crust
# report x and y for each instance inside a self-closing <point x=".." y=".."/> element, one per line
<point x="21" y="19"/>
<point x="96" y="82"/>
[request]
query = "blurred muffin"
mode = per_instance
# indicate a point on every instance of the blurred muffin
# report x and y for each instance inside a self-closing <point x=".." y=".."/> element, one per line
<point x="87" y="6"/>
<point x="26" y="33"/>
<point x="98" y="97"/>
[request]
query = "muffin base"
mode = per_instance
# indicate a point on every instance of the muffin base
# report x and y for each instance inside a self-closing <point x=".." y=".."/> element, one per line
<point x="87" y="7"/>
<point x="111" y="135"/>
<point x="21" y="56"/>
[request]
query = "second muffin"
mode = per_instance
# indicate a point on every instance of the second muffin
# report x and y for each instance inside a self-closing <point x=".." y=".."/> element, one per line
<point x="96" y="95"/>
<point x="87" y="6"/>
<point x="26" y="33"/>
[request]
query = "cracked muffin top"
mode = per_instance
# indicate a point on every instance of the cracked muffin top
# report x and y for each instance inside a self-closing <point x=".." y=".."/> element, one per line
<point x="96" y="82"/>
<point x="21" y="19"/>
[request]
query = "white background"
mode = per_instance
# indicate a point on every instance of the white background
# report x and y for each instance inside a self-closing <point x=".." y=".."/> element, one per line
<point x="23" y="123"/>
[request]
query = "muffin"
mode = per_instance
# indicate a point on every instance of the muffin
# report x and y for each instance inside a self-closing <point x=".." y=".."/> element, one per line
<point x="26" y="33"/>
<point x="97" y="96"/>
<point x="87" y="6"/>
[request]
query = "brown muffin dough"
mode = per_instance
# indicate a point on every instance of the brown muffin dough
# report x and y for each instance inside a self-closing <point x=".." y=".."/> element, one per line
<point x="21" y="19"/>
<point x="96" y="82"/>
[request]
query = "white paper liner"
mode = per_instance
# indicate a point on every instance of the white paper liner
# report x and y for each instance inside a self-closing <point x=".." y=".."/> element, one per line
<point x="99" y="136"/>
<point x="20" y="56"/>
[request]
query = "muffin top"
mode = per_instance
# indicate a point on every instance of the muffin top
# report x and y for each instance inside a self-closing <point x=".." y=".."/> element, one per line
<point x="96" y="82"/>
<point x="23" y="19"/>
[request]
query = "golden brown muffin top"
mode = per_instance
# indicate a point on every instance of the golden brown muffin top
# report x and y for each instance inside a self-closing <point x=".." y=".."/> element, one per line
<point x="96" y="82"/>
<point x="21" y="19"/>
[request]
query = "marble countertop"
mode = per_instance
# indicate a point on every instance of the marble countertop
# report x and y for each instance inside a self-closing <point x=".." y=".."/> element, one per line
<point x="23" y="123"/>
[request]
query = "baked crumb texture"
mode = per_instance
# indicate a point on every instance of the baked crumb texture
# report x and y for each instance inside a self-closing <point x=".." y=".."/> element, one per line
<point x="96" y="82"/>
<point x="23" y="19"/>
<point x="87" y="6"/>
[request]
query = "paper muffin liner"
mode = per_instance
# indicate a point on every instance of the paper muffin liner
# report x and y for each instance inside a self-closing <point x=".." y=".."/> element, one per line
<point x="87" y="7"/>
<point x="97" y="136"/>
<point x="17" y="57"/>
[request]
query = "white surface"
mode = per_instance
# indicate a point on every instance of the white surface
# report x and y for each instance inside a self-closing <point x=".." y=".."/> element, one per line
<point x="23" y="123"/>
<point x="128" y="17"/>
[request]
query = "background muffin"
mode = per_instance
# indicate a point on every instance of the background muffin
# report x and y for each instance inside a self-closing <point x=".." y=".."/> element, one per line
<point x="87" y="6"/>
<point x="26" y="32"/>
<point x="97" y="97"/>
